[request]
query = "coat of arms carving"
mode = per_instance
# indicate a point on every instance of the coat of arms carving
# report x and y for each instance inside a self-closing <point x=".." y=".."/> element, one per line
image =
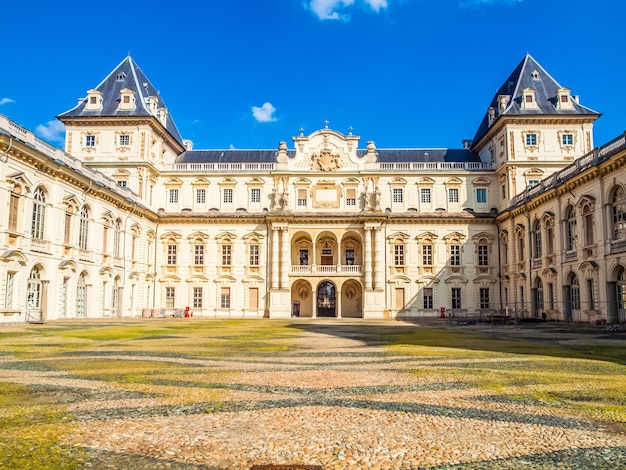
<point x="325" y="160"/>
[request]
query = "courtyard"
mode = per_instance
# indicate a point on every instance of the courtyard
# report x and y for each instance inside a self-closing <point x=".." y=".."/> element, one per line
<point x="184" y="393"/>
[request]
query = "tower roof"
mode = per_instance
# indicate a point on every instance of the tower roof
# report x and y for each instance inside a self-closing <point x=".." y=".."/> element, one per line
<point x="126" y="76"/>
<point x="529" y="74"/>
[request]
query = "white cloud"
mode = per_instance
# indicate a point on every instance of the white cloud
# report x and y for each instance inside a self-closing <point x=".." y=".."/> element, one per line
<point x="6" y="100"/>
<point x="52" y="130"/>
<point x="335" y="9"/>
<point x="265" y="113"/>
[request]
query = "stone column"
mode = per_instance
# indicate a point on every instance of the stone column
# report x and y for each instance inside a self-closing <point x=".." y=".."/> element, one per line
<point x="379" y="263"/>
<point x="275" y="253"/>
<point x="367" y="259"/>
<point x="338" y="303"/>
<point x="285" y="262"/>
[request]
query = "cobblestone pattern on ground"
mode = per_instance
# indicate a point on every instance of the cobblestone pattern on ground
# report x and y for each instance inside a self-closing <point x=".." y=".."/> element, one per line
<point x="333" y="403"/>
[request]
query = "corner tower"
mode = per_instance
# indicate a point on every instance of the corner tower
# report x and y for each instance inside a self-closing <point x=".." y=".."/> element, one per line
<point x="123" y="129"/>
<point x="532" y="128"/>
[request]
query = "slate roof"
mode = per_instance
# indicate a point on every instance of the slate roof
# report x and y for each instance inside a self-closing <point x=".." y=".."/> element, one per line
<point x="126" y="75"/>
<point x="545" y="91"/>
<point x="384" y="155"/>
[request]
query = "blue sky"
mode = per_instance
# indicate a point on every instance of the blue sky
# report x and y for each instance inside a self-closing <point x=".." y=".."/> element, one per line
<point x="250" y="73"/>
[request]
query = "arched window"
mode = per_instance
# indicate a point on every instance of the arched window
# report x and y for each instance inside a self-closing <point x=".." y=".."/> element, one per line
<point x="537" y="240"/>
<point x="483" y="252"/>
<point x="539" y="295"/>
<point x="39" y="214"/>
<point x="117" y="234"/>
<point x="588" y="224"/>
<point x="14" y="207"/>
<point x="618" y="212"/>
<point x="83" y="228"/>
<point x="570" y="228"/>
<point x="33" y="295"/>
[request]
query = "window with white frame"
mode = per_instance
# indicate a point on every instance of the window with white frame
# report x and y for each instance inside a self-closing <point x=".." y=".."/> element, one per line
<point x="255" y="195"/>
<point x="483" y="253"/>
<point x="570" y="229"/>
<point x="425" y="195"/>
<point x="481" y="195"/>
<point x="484" y="297"/>
<point x="122" y="183"/>
<point x="173" y="196"/>
<point x="198" y="255"/>
<point x="117" y="237"/>
<point x="455" y="255"/>
<point x="618" y="213"/>
<point x="427" y="254"/>
<point x="302" y="197"/>
<point x="567" y="139"/>
<point x="226" y="254"/>
<point x="39" y="214"/>
<point x="14" y="208"/>
<point x="456" y="297"/>
<point x="397" y="195"/>
<point x="350" y="197"/>
<point x="254" y="254"/>
<point x="228" y="196"/>
<point x="197" y="297"/>
<point x="225" y="297"/>
<point x="170" y="297"/>
<point x="8" y="298"/>
<point x="428" y="298"/>
<point x="200" y="196"/>
<point x="90" y="141"/>
<point x="453" y="195"/>
<point x="83" y="228"/>
<point x="172" y="251"/>
<point x="398" y="254"/>
<point x="124" y="140"/>
<point x="531" y="140"/>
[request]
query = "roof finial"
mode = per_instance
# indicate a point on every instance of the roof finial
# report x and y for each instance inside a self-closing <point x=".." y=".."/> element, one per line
<point x="326" y="124"/>
<point x="350" y="130"/>
<point x="302" y="132"/>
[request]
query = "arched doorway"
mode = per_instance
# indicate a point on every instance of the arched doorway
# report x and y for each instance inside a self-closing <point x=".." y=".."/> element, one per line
<point x="620" y="290"/>
<point x="326" y="300"/>
<point x="34" y="297"/>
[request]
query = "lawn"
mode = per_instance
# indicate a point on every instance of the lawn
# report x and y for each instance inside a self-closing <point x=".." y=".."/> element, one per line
<point x="46" y="369"/>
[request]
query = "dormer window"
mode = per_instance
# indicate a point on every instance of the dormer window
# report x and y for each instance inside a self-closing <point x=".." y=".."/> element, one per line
<point x="564" y="99"/>
<point x="535" y="75"/>
<point x="529" y="99"/>
<point x="120" y="76"/>
<point x="94" y="100"/>
<point x="127" y="99"/>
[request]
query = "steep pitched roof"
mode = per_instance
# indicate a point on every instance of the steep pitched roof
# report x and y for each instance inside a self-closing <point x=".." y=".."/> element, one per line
<point x="126" y="75"/>
<point x="530" y="74"/>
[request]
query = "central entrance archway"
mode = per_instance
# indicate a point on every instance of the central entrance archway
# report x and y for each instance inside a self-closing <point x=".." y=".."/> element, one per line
<point x="326" y="300"/>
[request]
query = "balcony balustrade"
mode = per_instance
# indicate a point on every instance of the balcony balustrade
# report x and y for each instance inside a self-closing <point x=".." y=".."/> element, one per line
<point x="325" y="270"/>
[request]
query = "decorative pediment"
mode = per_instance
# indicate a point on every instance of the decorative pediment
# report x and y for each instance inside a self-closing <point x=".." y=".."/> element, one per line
<point x="485" y="279"/>
<point x="504" y="235"/>
<point x="427" y="280"/>
<point x="196" y="278"/>
<point x="397" y="181"/>
<point x="520" y="230"/>
<point x="480" y="181"/>
<point x="587" y="199"/>
<point x="325" y="159"/>
<point x="173" y="182"/>
<point x="198" y="236"/>
<point x="227" y="182"/>
<point x="453" y="182"/>
<point x="454" y="236"/>
<point x="225" y="236"/>
<point x="424" y="236"/>
<point x="170" y="278"/>
<point x="255" y="182"/>
<point x="398" y="236"/>
<point x="547" y="219"/>
<point x="170" y="236"/>
<point x="253" y="236"/>
<point x="200" y="182"/>
<point x="425" y="181"/>
<point x="534" y="173"/>
<point x="224" y="279"/>
<point x="456" y="280"/>
<point x="477" y="237"/>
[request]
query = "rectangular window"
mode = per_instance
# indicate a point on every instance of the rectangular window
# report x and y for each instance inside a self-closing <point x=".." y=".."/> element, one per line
<point x="302" y="198"/>
<point x="522" y="297"/>
<point x="350" y="257"/>
<point x="200" y="196"/>
<point x="90" y="141"/>
<point x="228" y="196"/>
<point x="67" y="235"/>
<point x="503" y="191"/>
<point x="122" y="183"/>
<point x="455" y="255"/>
<point x="456" y="297"/>
<point x="255" y="195"/>
<point x="14" y="206"/>
<point x="254" y="255"/>
<point x="171" y="254"/>
<point x="304" y="257"/>
<point x="531" y="139"/>
<point x="484" y="297"/>
<point x="170" y="295"/>
<point x="425" y="195"/>
<point x="173" y="196"/>
<point x="481" y="195"/>
<point x="532" y="183"/>
<point x="8" y="299"/>
<point x="453" y="195"/>
<point x="591" y="298"/>
<point x="520" y="249"/>
<point x="398" y="196"/>
<point x="483" y="255"/>
<point x="398" y="255"/>
<point x="505" y="253"/>
<point x="198" y="255"/>
<point x="197" y="297"/>
<point x="124" y="140"/>
<point x="567" y="139"/>
<point x="226" y="252"/>
<point x="427" y="255"/>
<point x="351" y="197"/>
<point x="225" y="297"/>
<point x="551" y="296"/>
<point x="550" y="240"/>
<point x="428" y="298"/>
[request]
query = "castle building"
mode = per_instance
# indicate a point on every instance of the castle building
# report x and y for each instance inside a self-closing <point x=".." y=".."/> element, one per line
<point x="528" y="219"/>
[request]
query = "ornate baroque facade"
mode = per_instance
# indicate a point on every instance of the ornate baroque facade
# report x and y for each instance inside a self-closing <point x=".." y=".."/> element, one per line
<point x="527" y="219"/>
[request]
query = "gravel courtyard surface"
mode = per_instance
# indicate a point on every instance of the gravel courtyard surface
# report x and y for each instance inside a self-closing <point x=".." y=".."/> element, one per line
<point x="330" y="400"/>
